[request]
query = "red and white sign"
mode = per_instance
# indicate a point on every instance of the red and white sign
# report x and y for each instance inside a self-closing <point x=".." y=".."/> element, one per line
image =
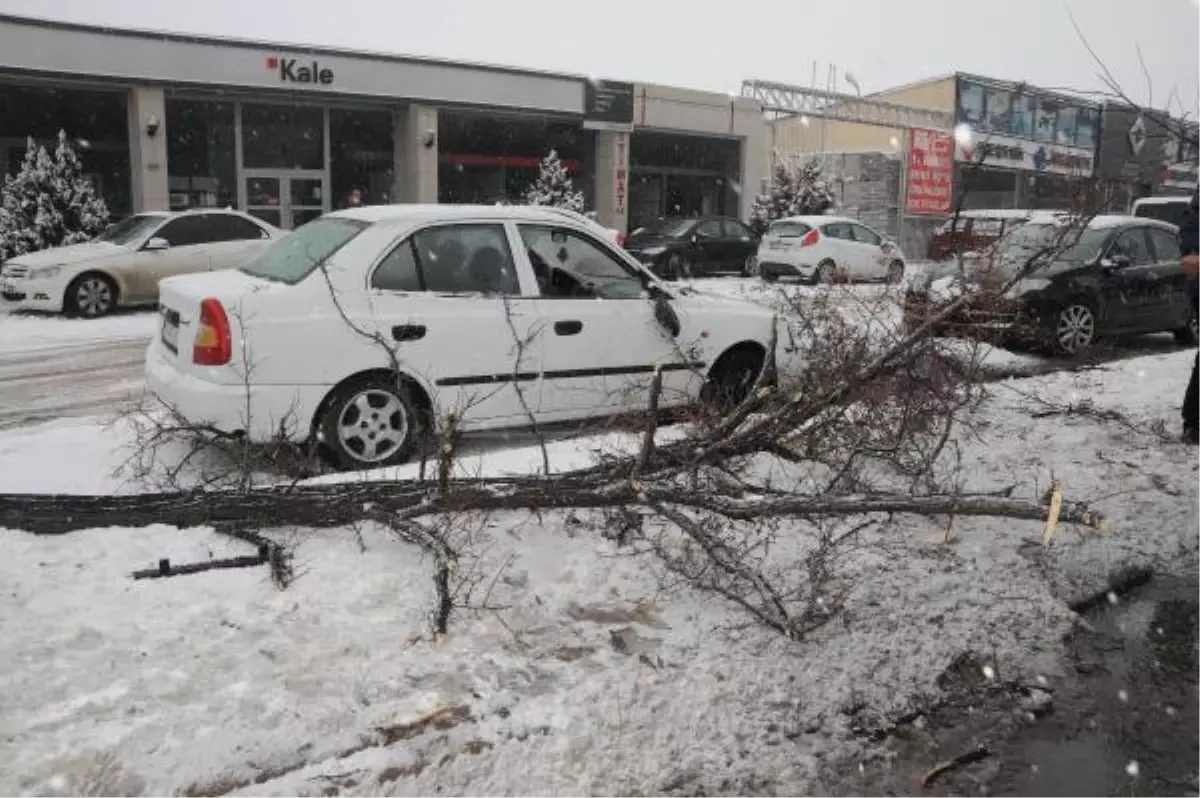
<point x="620" y="174"/>
<point x="930" y="172"/>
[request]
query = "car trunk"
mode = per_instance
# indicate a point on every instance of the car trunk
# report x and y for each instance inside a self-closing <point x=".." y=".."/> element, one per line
<point x="180" y="301"/>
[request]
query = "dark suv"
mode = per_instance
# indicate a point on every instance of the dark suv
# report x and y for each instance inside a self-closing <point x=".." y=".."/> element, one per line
<point x="675" y="248"/>
<point x="1120" y="275"/>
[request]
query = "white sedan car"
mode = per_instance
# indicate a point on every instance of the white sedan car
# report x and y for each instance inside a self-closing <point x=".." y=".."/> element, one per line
<point x="824" y="249"/>
<point x="122" y="267"/>
<point x="361" y="325"/>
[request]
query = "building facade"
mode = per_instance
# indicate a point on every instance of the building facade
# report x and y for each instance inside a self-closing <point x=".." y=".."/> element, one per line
<point x="288" y="132"/>
<point x="1145" y="153"/>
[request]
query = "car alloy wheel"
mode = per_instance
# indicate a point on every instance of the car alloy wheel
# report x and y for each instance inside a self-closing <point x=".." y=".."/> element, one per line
<point x="678" y="267"/>
<point x="895" y="272"/>
<point x="372" y="426"/>
<point x="92" y="297"/>
<point x="1075" y="329"/>
<point x="826" y="272"/>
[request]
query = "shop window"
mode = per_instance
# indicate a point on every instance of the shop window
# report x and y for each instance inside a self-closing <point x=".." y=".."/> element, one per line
<point x="96" y="122"/>
<point x="971" y="104"/>
<point x="1044" y="119"/>
<point x="999" y="105"/>
<point x="489" y="158"/>
<point x="1065" y="134"/>
<point x="1086" y="123"/>
<point x="1021" y="116"/>
<point x="201" y="172"/>
<point x="361" y="156"/>
<point x="283" y="137"/>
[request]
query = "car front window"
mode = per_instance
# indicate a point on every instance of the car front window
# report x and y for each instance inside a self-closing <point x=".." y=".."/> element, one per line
<point x="292" y="258"/>
<point x="130" y="229"/>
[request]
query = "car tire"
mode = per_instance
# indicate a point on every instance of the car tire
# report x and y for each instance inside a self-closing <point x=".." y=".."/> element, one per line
<point x="1189" y="334"/>
<point x="90" y="295"/>
<point x="731" y="378"/>
<point x="363" y="416"/>
<point x="768" y="277"/>
<point x="826" y="273"/>
<point x="750" y="267"/>
<point x="678" y="266"/>
<point x="1074" y="329"/>
<point x="895" y="272"/>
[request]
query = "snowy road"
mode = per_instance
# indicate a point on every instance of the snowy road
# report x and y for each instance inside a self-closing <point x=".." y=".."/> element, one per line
<point x="93" y="379"/>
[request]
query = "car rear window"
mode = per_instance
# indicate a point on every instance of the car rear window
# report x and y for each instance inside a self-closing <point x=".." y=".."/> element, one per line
<point x="292" y="258"/>
<point x="788" y="229"/>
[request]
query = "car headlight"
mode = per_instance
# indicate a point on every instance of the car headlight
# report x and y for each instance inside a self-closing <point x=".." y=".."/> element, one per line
<point x="44" y="272"/>
<point x="1027" y="286"/>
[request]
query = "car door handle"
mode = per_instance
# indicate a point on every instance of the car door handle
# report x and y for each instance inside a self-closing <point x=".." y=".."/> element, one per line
<point x="568" y="327"/>
<point x="408" y="332"/>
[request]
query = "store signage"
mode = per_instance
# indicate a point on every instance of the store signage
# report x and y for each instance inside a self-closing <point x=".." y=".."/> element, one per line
<point x="1032" y="156"/>
<point x="930" y="182"/>
<point x="607" y="105"/>
<point x="293" y="71"/>
<point x="620" y="175"/>
<point x="1137" y="136"/>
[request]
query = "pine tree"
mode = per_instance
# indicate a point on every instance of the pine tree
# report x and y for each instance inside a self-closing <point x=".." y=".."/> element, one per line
<point x="799" y="192"/>
<point x="553" y="186"/>
<point x="49" y="202"/>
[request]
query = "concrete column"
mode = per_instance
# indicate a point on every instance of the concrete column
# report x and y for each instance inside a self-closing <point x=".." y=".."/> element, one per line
<point x="755" y="164"/>
<point x="148" y="154"/>
<point x="415" y="151"/>
<point x="610" y="180"/>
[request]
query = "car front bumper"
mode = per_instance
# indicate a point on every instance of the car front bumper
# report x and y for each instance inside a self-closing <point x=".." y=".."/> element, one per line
<point x="26" y="294"/>
<point x="263" y="413"/>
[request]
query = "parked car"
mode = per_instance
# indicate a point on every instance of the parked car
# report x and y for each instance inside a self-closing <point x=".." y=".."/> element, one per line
<point x="823" y="249"/>
<point x="1119" y="275"/>
<point x="122" y="267"/>
<point x="485" y="311"/>
<point x="974" y="231"/>
<point x="1165" y="209"/>
<point x="702" y="247"/>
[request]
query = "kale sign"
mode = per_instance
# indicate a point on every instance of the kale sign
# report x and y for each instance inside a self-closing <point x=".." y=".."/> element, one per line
<point x="291" y="70"/>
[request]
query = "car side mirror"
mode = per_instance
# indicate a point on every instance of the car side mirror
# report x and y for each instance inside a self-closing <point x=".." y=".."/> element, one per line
<point x="1115" y="262"/>
<point x="664" y="314"/>
<point x="157" y="244"/>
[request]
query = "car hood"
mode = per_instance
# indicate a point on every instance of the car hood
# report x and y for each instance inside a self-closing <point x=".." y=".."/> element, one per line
<point x="706" y="302"/>
<point x="69" y="255"/>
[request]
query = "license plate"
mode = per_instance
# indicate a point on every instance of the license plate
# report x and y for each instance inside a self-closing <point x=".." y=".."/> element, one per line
<point x="170" y="331"/>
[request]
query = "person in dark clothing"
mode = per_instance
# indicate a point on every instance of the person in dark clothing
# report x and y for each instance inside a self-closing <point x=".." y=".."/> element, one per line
<point x="1189" y="231"/>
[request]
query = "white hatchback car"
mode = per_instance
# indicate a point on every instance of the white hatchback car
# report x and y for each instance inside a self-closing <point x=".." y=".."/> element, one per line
<point x="501" y="315"/>
<point x="823" y="249"/>
<point x="122" y="266"/>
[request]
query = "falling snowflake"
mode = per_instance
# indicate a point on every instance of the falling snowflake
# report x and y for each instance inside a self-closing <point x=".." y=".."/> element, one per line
<point x="1132" y="768"/>
<point x="1170" y="712"/>
<point x="1113" y="598"/>
<point x="1123" y="695"/>
<point x="1041" y="680"/>
<point x="989" y="672"/>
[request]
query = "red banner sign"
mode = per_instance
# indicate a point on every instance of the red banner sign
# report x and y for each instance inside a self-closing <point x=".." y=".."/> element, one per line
<point x="930" y="172"/>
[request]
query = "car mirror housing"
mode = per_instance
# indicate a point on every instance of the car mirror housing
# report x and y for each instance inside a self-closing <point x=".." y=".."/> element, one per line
<point x="157" y="244"/>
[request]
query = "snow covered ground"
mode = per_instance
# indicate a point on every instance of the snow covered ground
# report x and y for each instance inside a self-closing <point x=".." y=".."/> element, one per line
<point x="593" y="675"/>
<point x="33" y="332"/>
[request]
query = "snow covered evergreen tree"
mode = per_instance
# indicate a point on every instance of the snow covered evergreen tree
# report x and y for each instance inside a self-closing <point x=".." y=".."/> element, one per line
<point x="49" y="202"/>
<point x="553" y="186"/>
<point x="798" y="192"/>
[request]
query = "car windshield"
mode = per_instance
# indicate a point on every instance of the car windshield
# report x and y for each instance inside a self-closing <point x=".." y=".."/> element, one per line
<point x="669" y="228"/>
<point x="1065" y="245"/>
<point x="130" y="229"/>
<point x="293" y="257"/>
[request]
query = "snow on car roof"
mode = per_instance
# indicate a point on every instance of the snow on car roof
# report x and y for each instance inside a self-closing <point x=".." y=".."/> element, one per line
<point x="1179" y="200"/>
<point x="403" y="212"/>
<point x="816" y="219"/>
<point x="1100" y="222"/>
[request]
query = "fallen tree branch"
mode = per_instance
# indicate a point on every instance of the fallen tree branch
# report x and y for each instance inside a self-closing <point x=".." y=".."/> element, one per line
<point x="965" y="758"/>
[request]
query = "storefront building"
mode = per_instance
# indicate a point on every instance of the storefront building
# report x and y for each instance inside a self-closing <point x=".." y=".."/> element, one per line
<point x="288" y="132"/>
<point x="1145" y="154"/>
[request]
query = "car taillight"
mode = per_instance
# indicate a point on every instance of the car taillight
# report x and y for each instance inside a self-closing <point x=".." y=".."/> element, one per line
<point x="810" y="238"/>
<point x="214" y="342"/>
<point x="621" y="239"/>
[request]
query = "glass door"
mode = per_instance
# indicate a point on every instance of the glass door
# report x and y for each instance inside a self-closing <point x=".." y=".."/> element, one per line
<point x="285" y="198"/>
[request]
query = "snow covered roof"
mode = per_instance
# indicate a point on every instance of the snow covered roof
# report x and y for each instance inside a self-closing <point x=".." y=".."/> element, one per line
<point x="413" y="212"/>
<point x="1176" y="200"/>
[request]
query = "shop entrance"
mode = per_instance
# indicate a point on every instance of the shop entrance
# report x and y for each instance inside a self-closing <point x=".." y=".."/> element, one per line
<point x="286" y="198"/>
